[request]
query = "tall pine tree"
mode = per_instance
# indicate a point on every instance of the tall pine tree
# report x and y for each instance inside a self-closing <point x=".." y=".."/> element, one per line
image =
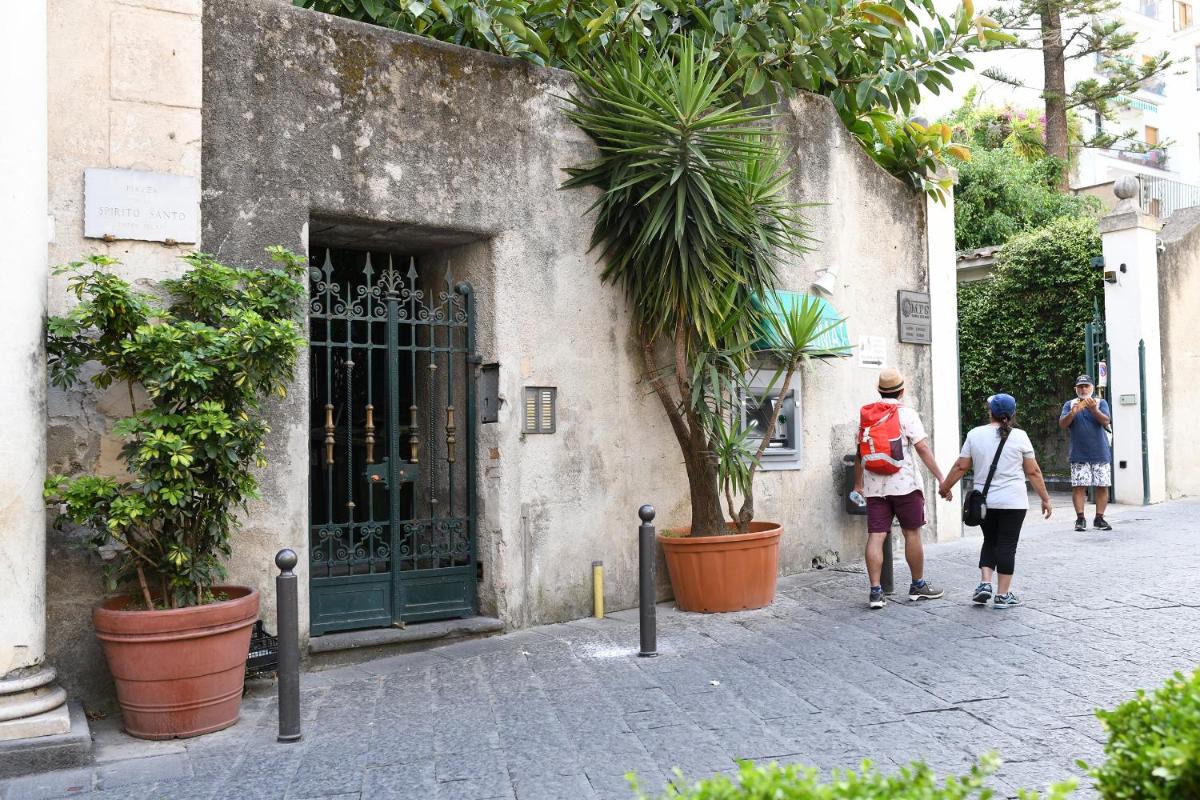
<point x="1070" y="30"/>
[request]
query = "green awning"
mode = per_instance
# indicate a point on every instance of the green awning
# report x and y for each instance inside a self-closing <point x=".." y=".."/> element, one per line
<point x="835" y="337"/>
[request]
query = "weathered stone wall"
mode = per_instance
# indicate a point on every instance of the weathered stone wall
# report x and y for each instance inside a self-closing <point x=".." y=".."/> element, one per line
<point x="124" y="93"/>
<point x="308" y="115"/>
<point x="458" y="153"/>
<point x="1179" y="304"/>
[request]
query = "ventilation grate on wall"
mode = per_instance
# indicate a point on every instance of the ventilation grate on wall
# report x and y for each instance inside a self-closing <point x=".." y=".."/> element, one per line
<point x="540" y="402"/>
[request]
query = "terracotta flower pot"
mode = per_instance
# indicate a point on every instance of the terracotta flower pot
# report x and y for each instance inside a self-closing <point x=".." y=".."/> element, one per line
<point x="179" y="672"/>
<point x="724" y="573"/>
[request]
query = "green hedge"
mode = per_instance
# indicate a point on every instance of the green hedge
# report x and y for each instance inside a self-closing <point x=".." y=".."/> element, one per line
<point x="1022" y="331"/>
<point x="913" y="782"/>
<point x="1153" y="753"/>
<point x="1153" y="750"/>
<point x="1000" y="195"/>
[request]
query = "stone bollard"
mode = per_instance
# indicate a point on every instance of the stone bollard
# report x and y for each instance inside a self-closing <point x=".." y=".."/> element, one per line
<point x="646" y="544"/>
<point x="289" y="646"/>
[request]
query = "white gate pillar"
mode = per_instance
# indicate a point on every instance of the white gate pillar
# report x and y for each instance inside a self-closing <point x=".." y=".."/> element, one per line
<point x="943" y="302"/>
<point x="36" y="726"/>
<point x="1131" y="318"/>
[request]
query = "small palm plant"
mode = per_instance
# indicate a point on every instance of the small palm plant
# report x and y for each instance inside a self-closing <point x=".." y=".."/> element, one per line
<point x="691" y="220"/>
<point x="207" y="360"/>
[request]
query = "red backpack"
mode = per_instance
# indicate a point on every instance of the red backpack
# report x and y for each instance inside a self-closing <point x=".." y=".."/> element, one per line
<point x="879" y="438"/>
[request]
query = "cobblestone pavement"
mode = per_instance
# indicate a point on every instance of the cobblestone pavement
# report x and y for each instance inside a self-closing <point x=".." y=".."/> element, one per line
<point x="565" y="711"/>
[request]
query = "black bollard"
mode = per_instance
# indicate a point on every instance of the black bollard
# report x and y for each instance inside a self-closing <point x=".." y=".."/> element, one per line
<point x="885" y="575"/>
<point x="646" y="545"/>
<point x="289" y="646"/>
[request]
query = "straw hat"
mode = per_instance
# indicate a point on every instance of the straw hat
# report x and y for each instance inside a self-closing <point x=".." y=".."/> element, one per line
<point x="890" y="380"/>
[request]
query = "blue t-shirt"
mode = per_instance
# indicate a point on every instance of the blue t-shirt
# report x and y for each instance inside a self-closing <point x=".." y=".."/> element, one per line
<point x="1089" y="442"/>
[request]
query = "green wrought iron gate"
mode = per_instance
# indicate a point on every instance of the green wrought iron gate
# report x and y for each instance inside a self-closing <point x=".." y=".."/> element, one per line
<point x="1096" y="364"/>
<point x="391" y="444"/>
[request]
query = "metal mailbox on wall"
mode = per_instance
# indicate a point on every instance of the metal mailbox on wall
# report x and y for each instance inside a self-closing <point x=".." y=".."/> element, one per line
<point x="489" y="393"/>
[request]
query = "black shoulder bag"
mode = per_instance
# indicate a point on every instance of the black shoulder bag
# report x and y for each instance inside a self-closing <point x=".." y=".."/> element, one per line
<point x="975" y="504"/>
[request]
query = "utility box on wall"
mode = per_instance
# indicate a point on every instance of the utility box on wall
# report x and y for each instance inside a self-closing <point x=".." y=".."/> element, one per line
<point x="540" y="406"/>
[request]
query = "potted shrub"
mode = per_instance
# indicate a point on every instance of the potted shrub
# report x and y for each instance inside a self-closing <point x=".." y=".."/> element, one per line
<point x="206" y="358"/>
<point x="692" y="220"/>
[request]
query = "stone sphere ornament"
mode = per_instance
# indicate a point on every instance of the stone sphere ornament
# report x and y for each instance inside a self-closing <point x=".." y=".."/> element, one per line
<point x="1126" y="187"/>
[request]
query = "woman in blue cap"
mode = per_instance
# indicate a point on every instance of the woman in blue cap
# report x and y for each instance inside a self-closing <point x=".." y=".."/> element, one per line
<point x="1006" y="497"/>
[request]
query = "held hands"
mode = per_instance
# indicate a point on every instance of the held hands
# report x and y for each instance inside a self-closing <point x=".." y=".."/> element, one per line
<point x="944" y="491"/>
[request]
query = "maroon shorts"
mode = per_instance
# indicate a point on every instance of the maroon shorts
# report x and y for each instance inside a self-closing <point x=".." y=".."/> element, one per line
<point x="908" y="508"/>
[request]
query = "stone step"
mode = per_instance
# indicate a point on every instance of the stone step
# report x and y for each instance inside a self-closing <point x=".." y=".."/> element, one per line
<point x="46" y="753"/>
<point x="356" y="647"/>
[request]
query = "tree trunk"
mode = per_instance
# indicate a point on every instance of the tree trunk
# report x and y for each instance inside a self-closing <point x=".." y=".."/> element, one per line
<point x="707" y="517"/>
<point x="1054" y="88"/>
<point x="703" y="484"/>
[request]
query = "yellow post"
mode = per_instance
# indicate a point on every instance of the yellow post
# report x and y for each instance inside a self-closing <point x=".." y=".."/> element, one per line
<point x="598" y="589"/>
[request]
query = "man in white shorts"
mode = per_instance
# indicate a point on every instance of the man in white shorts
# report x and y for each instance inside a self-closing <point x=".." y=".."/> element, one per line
<point x="1087" y="418"/>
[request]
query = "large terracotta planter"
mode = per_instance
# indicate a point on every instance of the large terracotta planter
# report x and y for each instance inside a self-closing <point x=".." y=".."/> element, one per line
<point x="179" y="672"/>
<point x="724" y="573"/>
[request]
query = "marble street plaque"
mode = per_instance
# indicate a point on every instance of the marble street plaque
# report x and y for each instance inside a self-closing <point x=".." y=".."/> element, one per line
<point x="149" y="206"/>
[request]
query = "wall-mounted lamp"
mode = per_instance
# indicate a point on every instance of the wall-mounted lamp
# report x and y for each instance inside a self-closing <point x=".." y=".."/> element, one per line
<point x="826" y="282"/>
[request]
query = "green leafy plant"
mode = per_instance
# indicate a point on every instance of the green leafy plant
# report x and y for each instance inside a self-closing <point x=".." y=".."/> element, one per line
<point x="1153" y="749"/>
<point x="1000" y="195"/>
<point x="690" y="219"/>
<point x="1022" y="331"/>
<point x="915" y="781"/>
<point x="872" y="59"/>
<point x="1009" y="185"/>
<point x="226" y="340"/>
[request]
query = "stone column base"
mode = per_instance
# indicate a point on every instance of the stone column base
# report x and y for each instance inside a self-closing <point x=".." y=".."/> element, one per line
<point x="32" y="705"/>
<point x="51" y="752"/>
<point x="38" y="731"/>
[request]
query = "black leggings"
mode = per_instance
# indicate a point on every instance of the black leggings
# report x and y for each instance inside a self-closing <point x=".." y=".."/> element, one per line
<point x="1001" y="530"/>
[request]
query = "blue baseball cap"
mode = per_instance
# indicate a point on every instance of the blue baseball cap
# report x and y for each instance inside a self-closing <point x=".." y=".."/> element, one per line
<point x="1002" y="405"/>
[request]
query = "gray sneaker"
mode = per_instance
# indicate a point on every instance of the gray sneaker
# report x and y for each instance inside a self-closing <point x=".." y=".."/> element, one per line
<point x="923" y="591"/>
<point x="983" y="594"/>
<point x="1006" y="601"/>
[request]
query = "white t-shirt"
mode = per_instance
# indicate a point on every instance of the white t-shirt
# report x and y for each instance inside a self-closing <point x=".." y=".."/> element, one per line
<point x="906" y="481"/>
<point x="1008" y="484"/>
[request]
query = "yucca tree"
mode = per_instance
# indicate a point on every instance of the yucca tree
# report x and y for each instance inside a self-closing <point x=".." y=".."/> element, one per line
<point x="691" y="220"/>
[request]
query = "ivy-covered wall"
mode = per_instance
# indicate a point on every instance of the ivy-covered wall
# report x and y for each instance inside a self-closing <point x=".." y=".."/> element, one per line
<point x="1022" y="331"/>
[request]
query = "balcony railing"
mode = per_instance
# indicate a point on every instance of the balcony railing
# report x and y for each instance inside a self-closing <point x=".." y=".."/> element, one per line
<point x="1163" y="197"/>
<point x="1156" y="85"/>
<point x="1152" y="158"/>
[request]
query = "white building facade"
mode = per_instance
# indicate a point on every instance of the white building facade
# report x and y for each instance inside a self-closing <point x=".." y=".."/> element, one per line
<point x="1166" y="110"/>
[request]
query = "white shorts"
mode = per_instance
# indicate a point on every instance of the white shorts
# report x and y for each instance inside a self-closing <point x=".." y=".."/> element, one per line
<point x="1093" y="474"/>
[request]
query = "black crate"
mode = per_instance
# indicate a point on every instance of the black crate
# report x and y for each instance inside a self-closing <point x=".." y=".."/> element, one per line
<point x="264" y="652"/>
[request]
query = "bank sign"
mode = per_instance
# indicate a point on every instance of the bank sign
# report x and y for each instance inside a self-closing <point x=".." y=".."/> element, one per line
<point x="915" y="321"/>
<point x="833" y="335"/>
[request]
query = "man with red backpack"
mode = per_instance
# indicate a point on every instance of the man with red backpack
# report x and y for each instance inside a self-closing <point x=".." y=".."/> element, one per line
<point x="890" y="437"/>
